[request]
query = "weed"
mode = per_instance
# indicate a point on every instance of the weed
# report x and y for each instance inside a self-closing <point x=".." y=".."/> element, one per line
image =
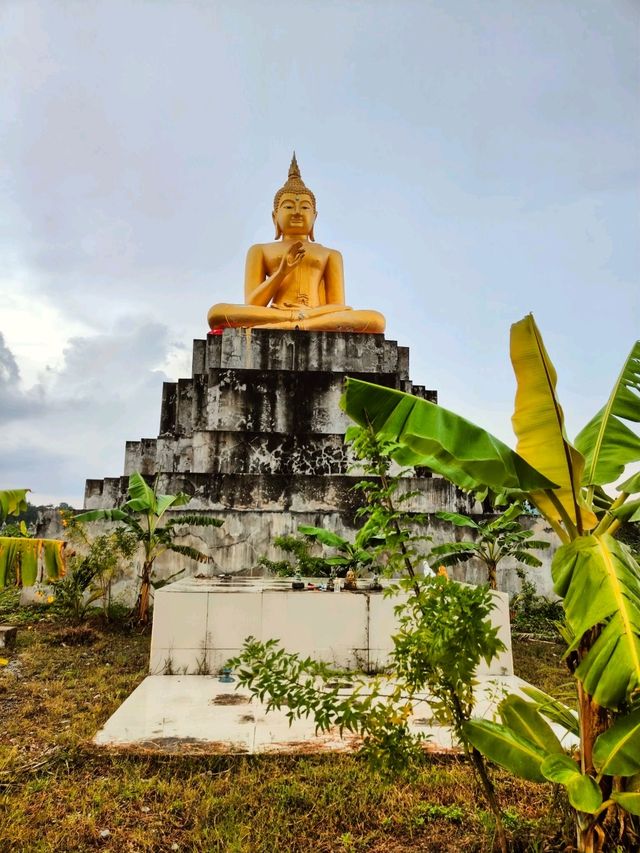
<point x="425" y="812"/>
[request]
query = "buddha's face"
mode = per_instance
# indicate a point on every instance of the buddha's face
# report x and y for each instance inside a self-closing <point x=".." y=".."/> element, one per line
<point x="295" y="215"/>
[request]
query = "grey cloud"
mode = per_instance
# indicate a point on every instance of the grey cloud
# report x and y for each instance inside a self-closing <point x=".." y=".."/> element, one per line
<point x="107" y="391"/>
<point x="15" y="403"/>
<point x="9" y="373"/>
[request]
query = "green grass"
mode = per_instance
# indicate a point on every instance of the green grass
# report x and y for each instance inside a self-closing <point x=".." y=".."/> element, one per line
<point x="57" y="793"/>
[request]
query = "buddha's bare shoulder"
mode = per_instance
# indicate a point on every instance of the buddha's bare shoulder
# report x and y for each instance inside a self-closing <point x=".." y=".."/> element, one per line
<point x="334" y="253"/>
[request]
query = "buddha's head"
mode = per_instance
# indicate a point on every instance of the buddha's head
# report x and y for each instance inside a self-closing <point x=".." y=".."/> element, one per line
<point x="294" y="206"/>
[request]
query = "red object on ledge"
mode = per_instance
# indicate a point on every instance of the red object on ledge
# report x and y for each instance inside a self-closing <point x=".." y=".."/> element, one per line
<point x="217" y="331"/>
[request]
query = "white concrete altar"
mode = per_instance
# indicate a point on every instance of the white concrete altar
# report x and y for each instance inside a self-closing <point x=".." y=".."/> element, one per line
<point x="199" y="623"/>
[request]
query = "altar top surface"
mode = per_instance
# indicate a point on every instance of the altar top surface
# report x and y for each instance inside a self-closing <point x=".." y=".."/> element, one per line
<point x="220" y="584"/>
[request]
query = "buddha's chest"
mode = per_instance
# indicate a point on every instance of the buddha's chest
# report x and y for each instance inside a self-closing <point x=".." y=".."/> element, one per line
<point x="313" y="263"/>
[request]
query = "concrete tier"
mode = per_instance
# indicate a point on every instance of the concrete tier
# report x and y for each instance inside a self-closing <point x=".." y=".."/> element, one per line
<point x="279" y="492"/>
<point x="262" y="403"/>
<point x="262" y="349"/>
<point x="263" y="400"/>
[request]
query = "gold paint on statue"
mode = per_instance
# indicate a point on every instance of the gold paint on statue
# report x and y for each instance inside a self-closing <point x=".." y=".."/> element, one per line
<point x="294" y="282"/>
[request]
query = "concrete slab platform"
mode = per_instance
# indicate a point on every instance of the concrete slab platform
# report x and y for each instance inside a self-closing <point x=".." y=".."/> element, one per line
<point x="189" y="714"/>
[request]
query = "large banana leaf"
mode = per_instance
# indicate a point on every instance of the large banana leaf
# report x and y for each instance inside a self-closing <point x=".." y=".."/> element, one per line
<point x="434" y="437"/>
<point x="524" y="719"/>
<point x="13" y="502"/>
<point x="584" y="793"/>
<point x="143" y="497"/>
<point x="29" y="554"/>
<point x="606" y="443"/>
<point x="193" y="520"/>
<point x="538" y="422"/>
<point x="600" y="583"/>
<point x="39" y="559"/>
<point x="191" y="553"/>
<point x="165" y="502"/>
<point x="627" y="512"/>
<point x="560" y="768"/>
<point x="506" y="748"/>
<point x="326" y="537"/>
<point x="616" y="752"/>
<point x="53" y="558"/>
<point x="9" y="552"/>
<point x="103" y="515"/>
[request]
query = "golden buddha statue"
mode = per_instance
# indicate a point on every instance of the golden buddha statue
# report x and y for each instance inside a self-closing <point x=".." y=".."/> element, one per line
<point x="294" y="282"/>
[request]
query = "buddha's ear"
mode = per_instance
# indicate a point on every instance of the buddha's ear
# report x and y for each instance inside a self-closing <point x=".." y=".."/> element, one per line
<point x="275" y="222"/>
<point x="311" y="237"/>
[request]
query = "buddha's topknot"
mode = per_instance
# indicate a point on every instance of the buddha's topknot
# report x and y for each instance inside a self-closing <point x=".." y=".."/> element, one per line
<point x="294" y="184"/>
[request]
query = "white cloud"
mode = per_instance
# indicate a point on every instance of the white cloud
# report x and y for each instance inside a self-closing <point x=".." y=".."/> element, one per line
<point x="34" y="328"/>
<point x="73" y="424"/>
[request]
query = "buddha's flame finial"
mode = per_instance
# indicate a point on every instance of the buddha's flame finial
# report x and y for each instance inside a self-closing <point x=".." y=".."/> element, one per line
<point x="294" y="169"/>
<point x="294" y="184"/>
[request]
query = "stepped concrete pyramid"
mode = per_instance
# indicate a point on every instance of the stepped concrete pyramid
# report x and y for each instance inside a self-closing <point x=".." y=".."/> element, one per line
<point x="256" y="438"/>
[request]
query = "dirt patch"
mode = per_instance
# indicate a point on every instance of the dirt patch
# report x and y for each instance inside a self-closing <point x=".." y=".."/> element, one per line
<point x="247" y="718"/>
<point x="78" y="635"/>
<point x="231" y="699"/>
<point x="329" y="743"/>
<point x="183" y="746"/>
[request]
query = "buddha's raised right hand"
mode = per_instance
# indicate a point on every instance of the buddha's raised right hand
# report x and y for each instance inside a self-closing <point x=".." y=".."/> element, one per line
<point x="292" y="258"/>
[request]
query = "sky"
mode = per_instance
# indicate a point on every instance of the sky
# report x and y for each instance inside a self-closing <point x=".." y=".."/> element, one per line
<point x="472" y="161"/>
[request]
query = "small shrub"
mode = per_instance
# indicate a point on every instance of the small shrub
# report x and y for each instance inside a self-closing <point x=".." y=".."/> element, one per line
<point x="100" y="562"/>
<point x="533" y="613"/>
<point x="303" y="562"/>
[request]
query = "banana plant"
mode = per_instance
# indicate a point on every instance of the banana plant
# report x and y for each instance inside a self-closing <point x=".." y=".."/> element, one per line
<point x="596" y="576"/>
<point x="497" y="539"/>
<point x="141" y="515"/>
<point x="30" y="560"/>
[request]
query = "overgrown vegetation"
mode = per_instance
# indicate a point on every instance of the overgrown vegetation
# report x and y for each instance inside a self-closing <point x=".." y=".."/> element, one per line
<point x="92" y="568"/>
<point x="535" y="614"/>
<point x="57" y="793"/>
<point x="497" y="539"/>
<point x="142" y="516"/>
<point x="302" y="561"/>
<point x="596" y="576"/>
<point x="444" y="632"/>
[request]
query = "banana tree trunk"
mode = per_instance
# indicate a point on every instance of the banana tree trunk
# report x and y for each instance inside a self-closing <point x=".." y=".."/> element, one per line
<point x="589" y="840"/>
<point x="611" y="830"/>
<point x="142" y="604"/>
<point x="492" y="574"/>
